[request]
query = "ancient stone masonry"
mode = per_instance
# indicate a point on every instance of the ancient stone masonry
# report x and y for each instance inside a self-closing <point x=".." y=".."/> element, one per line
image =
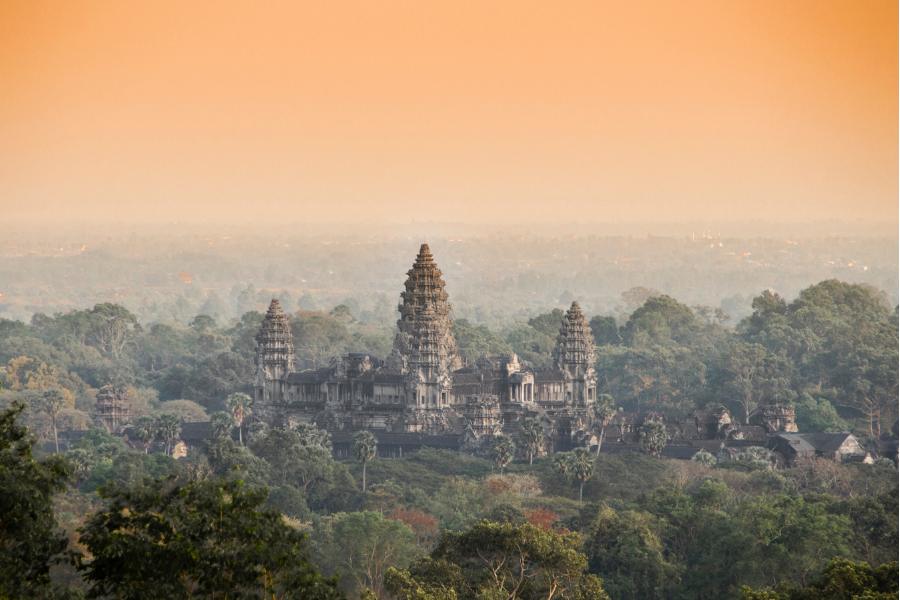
<point x="574" y="355"/>
<point x="424" y="343"/>
<point x="274" y="356"/>
<point x="422" y="388"/>
<point x="111" y="409"/>
<point x="775" y="418"/>
<point x="574" y="345"/>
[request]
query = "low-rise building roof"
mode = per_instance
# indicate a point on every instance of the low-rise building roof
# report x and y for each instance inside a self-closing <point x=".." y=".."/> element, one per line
<point x="194" y="432"/>
<point x="826" y="443"/>
<point x="544" y="375"/>
<point x="310" y="376"/>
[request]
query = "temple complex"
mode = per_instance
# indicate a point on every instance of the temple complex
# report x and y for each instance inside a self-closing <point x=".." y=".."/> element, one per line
<point x="422" y="388"/>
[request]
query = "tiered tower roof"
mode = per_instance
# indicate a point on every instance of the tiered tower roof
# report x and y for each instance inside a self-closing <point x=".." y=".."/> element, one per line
<point x="425" y="338"/>
<point x="275" y="342"/>
<point x="575" y="343"/>
<point x="112" y="406"/>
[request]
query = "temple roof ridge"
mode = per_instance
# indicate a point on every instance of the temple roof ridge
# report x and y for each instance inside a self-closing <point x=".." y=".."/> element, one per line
<point x="275" y="326"/>
<point x="425" y="322"/>
<point x="575" y="343"/>
<point x="274" y="308"/>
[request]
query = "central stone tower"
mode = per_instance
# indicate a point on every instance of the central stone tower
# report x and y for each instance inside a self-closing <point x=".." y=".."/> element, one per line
<point x="424" y="348"/>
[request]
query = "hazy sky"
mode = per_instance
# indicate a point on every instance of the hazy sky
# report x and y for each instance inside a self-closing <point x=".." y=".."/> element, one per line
<point x="466" y="111"/>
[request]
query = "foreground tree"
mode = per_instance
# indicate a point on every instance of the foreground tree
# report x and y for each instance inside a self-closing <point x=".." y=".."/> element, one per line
<point x="313" y="437"/>
<point x="111" y="328"/>
<point x="604" y="411"/>
<point x="842" y="579"/>
<point x="581" y="466"/>
<point x="532" y="436"/>
<point x="361" y="546"/>
<point x="502" y="451"/>
<point x="365" y="447"/>
<point x="144" y="431"/>
<point x="626" y="548"/>
<point x="239" y="405"/>
<point x="745" y="367"/>
<point x="221" y="424"/>
<point x="207" y="539"/>
<point x="294" y="462"/>
<point x="494" y="560"/>
<point x="653" y="438"/>
<point x="30" y="540"/>
<point x="562" y="465"/>
<point x="705" y="458"/>
<point x="168" y="428"/>
<point x="80" y="462"/>
<point x="51" y="402"/>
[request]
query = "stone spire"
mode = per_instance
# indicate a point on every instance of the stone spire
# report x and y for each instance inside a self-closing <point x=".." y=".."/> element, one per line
<point x="575" y="343"/>
<point x="425" y="342"/>
<point x="112" y="407"/>
<point x="275" y="344"/>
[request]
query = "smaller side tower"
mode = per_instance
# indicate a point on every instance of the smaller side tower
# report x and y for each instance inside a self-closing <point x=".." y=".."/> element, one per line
<point x="776" y="417"/>
<point x="111" y="409"/>
<point x="274" y="357"/>
<point x="574" y="356"/>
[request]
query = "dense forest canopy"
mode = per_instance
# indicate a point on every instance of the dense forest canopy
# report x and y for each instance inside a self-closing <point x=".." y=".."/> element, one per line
<point x="438" y="524"/>
<point x="279" y="516"/>
<point x="831" y="352"/>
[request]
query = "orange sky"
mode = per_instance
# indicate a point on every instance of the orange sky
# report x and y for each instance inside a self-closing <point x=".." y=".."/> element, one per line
<point x="467" y="111"/>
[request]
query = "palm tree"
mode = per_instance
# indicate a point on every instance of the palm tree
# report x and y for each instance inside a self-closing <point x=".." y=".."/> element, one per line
<point x="144" y="431"/>
<point x="365" y="446"/>
<point x="604" y="411"/>
<point x="562" y="465"/>
<point x="239" y="405"/>
<point x="581" y="465"/>
<point x="503" y="451"/>
<point x="168" y="428"/>
<point x="51" y="402"/>
<point x="80" y="459"/>
<point x="313" y="437"/>
<point x="532" y="438"/>
<point x="221" y="423"/>
<point x="653" y="438"/>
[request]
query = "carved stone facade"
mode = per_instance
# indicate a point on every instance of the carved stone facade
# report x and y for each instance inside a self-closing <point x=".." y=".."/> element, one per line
<point x="111" y="409"/>
<point x="776" y="418"/>
<point x="274" y="357"/>
<point x="574" y="357"/>
<point x="422" y="388"/>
